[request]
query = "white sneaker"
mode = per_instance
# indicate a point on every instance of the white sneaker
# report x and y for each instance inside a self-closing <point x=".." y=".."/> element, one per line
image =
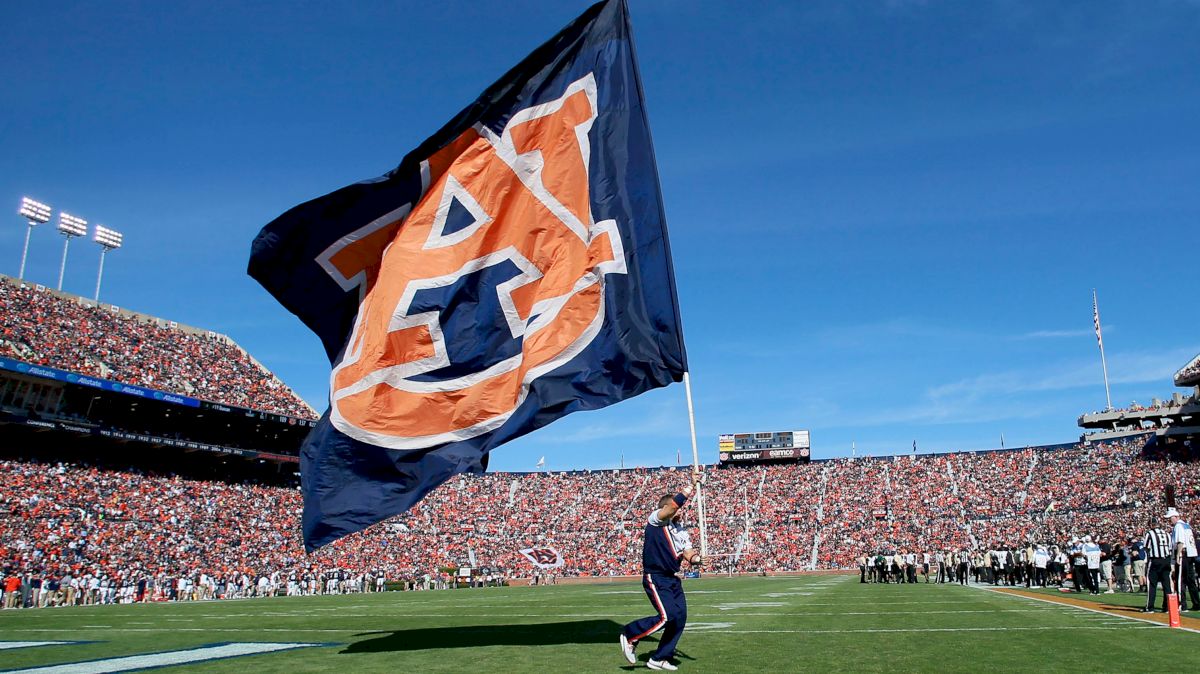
<point x="1108" y="592"/>
<point x="661" y="664"/>
<point x="627" y="650"/>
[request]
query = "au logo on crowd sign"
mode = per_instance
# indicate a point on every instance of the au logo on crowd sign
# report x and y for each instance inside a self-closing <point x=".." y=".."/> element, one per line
<point x="492" y="279"/>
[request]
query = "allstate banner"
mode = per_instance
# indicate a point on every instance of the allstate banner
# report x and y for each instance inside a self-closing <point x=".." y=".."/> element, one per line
<point x="543" y="557"/>
<point x="513" y="269"/>
<point x="56" y="374"/>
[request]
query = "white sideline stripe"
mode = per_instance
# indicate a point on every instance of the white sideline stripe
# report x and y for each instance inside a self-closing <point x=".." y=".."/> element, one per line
<point x="943" y="629"/>
<point x="1091" y="610"/>
<point x="168" y="658"/>
<point x="254" y="630"/>
<point x="6" y="645"/>
<point x="821" y="614"/>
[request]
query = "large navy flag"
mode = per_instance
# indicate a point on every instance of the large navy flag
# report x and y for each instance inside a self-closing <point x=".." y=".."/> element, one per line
<point x="512" y="269"/>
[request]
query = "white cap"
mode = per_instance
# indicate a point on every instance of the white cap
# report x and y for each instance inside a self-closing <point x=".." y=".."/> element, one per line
<point x="1171" y="512"/>
<point x="1087" y="538"/>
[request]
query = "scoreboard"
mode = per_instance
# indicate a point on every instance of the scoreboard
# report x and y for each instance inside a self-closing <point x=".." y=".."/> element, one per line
<point x="764" y="446"/>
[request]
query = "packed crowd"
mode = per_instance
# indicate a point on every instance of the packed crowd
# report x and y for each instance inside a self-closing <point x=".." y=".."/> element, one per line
<point x="1156" y="560"/>
<point x="1189" y="371"/>
<point x="1080" y="564"/>
<point x="81" y="533"/>
<point x="42" y="328"/>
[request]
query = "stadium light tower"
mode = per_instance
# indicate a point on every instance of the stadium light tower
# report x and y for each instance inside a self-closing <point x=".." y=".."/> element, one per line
<point x="70" y="227"/>
<point x="109" y="240"/>
<point x="36" y="213"/>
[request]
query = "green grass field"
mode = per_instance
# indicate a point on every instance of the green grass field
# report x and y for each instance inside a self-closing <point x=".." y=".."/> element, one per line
<point x="812" y="623"/>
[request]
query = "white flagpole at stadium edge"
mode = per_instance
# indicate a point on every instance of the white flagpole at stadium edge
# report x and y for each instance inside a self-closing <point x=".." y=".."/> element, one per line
<point x="687" y="387"/>
<point x="1100" y="341"/>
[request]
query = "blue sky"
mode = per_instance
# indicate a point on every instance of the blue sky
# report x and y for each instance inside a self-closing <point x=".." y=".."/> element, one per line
<point x="887" y="217"/>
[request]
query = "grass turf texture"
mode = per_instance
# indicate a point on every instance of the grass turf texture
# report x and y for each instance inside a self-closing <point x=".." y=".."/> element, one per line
<point x="812" y="623"/>
<point x="1119" y="603"/>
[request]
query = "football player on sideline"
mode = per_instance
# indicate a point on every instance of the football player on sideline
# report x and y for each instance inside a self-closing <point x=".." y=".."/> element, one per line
<point x="667" y="542"/>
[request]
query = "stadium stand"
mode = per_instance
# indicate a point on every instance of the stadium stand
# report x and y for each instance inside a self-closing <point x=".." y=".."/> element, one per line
<point x="114" y="495"/>
<point x="50" y="328"/>
<point x="1189" y="375"/>
<point x="134" y="533"/>
<point x="1175" y="420"/>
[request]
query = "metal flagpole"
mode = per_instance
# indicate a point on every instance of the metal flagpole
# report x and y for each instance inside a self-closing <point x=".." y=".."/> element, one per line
<point x="1100" y="341"/>
<point x="687" y="386"/>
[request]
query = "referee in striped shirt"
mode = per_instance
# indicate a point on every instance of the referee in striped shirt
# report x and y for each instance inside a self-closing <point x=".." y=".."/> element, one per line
<point x="1158" y="567"/>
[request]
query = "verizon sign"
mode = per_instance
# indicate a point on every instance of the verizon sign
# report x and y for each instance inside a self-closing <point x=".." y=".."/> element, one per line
<point x="795" y="453"/>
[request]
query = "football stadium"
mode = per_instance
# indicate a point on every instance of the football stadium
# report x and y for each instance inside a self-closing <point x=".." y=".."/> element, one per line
<point x="154" y="508"/>
<point x="170" y="501"/>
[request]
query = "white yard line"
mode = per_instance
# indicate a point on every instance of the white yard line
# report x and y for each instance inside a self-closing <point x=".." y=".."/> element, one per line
<point x="7" y="645"/>
<point x="166" y="659"/>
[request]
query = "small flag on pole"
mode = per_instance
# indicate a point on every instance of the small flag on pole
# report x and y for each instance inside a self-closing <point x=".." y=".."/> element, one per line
<point x="543" y="557"/>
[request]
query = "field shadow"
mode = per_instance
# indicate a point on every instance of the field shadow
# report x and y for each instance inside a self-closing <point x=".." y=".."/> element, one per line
<point x="643" y="657"/>
<point x="472" y="636"/>
<point x="1122" y="608"/>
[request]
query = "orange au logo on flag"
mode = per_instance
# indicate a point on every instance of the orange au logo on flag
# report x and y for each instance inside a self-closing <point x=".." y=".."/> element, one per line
<point x="528" y="188"/>
<point x="514" y="268"/>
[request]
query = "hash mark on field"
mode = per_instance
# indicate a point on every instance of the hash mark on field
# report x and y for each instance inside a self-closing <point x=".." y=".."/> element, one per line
<point x="8" y="645"/>
<point x="749" y="604"/>
<point x="705" y="627"/>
